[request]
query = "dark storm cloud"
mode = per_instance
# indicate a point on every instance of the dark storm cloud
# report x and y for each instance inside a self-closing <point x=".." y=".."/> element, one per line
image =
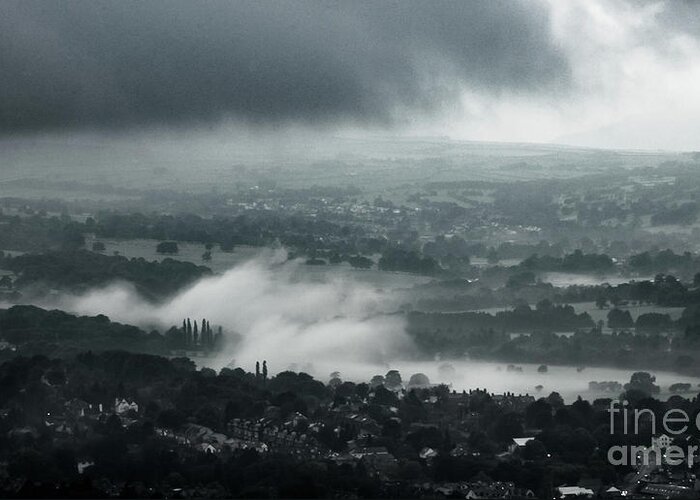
<point x="111" y="64"/>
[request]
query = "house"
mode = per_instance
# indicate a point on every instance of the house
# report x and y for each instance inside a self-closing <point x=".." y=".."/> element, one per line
<point x="592" y="483"/>
<point x="123" y="406"/>
<point x="341" y="458"/>
<point x="460" y="450"/>
<point x="661" y="442"/>
<point x="6" y="346"/>
<point x="359" y="453"/>
<point x="523" y="493"/>
<point x="77" y="407"/>
<point x="574" y="492"/>
<point x="207" y="448"/>
<point x="668" y="491"/>
<point x="484" y="490"/>
<point x="376" y="458"/>
<point x="519" y="443"/>
<point x="613" y="492"/>
<point x="84" y="465"/>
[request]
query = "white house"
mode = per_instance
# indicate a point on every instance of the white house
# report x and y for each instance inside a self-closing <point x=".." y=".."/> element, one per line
<point x="122" y="406"/>
<point x="574" y="492"/>
<point x="519" y="443"/>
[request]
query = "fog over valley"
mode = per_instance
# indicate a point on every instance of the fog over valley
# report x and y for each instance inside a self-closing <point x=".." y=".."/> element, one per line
<point x="275" y="315"/>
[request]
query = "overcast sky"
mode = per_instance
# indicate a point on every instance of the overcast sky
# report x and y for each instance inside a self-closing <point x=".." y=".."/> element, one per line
<point x="604" y="74"/>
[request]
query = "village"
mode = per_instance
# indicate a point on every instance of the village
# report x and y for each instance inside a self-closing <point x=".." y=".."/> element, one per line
<point x="400" y="438"/>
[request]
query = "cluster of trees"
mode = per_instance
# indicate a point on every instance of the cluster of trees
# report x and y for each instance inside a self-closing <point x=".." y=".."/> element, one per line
<point x="191" y="336"/>
<point x="397" y="259"/>
<point x="320" y="240"/>
<point x="33" y="330"/>
<point x="255" y="229"/>
<point x="487" y="337"/>
<point x="304" y="235"/>
<point x="513" y="250"/>
<point x="442" y="247"/>
<point x="167" y="247"/>
<point x="683" y="214"/>
<point x="131" y="456"/>
<point x="457" y="247"/>
<point x="523" y="285"/>
<point x="544" y="317"/>
<point x="574" y="262"/>
<point x="663" y="290"/>
<point x="38" y="233"/>
<point x="647" y="322"/>
<point x="80" y="270"/>
<point x="356" y="261"/>
<point x="133" y="459"/>
<point x="664" y="261"/>
<point x="642" y="383"/>
<point x="172" y="394"/>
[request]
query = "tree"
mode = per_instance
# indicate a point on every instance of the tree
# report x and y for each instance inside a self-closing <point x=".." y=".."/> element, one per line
<point x="6" y="282"/>
<point x="555" y="400"/>
<point x="419" y="380"/>
<point x="544" y="305"/>
<point x="360" y="262"/>
<point x="538" y="415"/>
<point x="507" y="427"/>
<point x="534" y="450"/>
<point x="601" y="302"/>
<point x="654" y="321"/>
<point x="521" y="279"/>
<point x="384" y="396"/>
<point x="492" y="256"/>
<point x="392" y="380"/>
<point x="167" y="247"/>
<point x="643" y="382"/>
<point x="620" y="319"/>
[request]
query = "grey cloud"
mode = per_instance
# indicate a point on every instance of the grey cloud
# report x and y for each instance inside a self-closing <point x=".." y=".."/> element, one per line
<point x="95" y="63"/>
<point x="680" y="16"/>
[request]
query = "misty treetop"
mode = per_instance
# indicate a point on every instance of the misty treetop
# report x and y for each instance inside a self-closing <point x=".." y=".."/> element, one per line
<point x="80" y="270"/>
<point x="33" y="330"/>
<point x="191" y="336"/>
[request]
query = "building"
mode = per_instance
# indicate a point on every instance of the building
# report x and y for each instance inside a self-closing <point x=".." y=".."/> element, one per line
<point x="574" y="492"/>
<point x="123" y="406"/>
<point x="661" y="442"/>
<point x="519" y="444"/>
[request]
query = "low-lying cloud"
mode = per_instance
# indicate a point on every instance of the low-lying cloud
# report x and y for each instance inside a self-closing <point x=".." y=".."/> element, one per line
<point x="289" y="321"/>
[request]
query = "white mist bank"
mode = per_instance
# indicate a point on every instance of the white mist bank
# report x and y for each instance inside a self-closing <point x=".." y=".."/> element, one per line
<point x="287" y="316"/>
<point x="280" y="317"/>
